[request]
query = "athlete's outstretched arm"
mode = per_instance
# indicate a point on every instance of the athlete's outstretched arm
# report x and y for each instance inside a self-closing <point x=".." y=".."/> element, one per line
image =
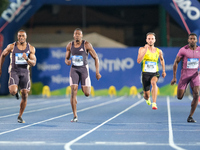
<point x="175" y="66"/>
<point x="141" y="52"/>
<point x="67" y="55"/>
<point x="162" y="61"/>
<point x="31" y="60"/>
<point x="5" y="52"/>
<point x="93" y="54"/>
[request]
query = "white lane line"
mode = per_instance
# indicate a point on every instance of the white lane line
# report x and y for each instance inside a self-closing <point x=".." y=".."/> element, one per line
<point x="100" y="143"/>
<point x="67" y="145"/>
<point x="42" y="109"/>
<point x="45" y="101"/>
<point x="133" y="143"/>
<point x="120" y="143"/>
<point x="84" y="109"/>
<point x="35" y="103"/>
<point x="190" y="97"/>
<point x="171" y="138"/>
<point x="22" y="142"/>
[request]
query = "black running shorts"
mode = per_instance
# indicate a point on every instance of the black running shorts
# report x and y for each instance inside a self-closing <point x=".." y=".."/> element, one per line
<point x="146" y="79"/>
<point x="80" y="74"/>
<point x="20" y="78"/>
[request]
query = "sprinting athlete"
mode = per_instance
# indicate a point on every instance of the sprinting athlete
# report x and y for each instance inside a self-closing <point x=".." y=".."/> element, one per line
<point x="22" y="56"/>
<point x="148" y="57"/>
<point x="190" y="54"/>
<point x="79" y="50"/>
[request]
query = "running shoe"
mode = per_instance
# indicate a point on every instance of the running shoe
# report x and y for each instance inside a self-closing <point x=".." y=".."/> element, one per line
<point x="154" y="106"/>
<point x="20" y="120"/>
<point x="148" y="101"/>
<point x="17" y="95"/>
<point x="75" y="119"/>
<point x="190" y="119"/>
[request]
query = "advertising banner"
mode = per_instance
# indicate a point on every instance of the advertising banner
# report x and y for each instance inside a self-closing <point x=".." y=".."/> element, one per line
<point x="118" y="67"/>
<point x="186" y="13"/>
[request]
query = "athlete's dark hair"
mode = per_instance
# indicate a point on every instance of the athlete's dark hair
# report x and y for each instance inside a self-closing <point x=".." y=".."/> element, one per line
<point x="150" y="33"/>
<point x="192" y="34"/>
<point x="78" y="29"/>
<point x="21" y="30"/>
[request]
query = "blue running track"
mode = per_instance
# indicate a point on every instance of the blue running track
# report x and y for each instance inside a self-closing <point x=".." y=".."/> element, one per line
<point x="105" y="123"/>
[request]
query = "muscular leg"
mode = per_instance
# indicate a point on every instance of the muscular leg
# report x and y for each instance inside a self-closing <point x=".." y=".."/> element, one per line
<point x="180" y="93"/>
<point x="194" y="103"/>
<point x="13" y="89"/>
<point x="23" y="101"/>
<point x="73" y="99"/>
<point x="86" y="90"/>
<point x="154" y="90"/>
<point x="146" y="95"/>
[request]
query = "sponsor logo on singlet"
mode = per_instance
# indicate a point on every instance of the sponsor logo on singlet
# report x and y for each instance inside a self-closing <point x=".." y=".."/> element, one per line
<point x="81" y="49"/>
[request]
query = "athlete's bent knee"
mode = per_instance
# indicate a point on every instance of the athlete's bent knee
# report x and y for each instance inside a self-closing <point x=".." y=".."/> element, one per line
<point x="153" y="83"/>
<point x="179" y="97"/>
<point x="195" y="95"/>
<point x="24" y="94"/>
<point x="13" y="89"/>
<point x="87" y="94"/>
<point x="74" y="91"/>
<point x="13" y="92"/>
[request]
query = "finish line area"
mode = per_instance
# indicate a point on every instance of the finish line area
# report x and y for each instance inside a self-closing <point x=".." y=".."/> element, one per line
<point x="103" y="123"/>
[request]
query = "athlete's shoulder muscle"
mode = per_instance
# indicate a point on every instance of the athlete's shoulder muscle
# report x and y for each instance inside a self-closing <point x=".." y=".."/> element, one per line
<point x="68" y="47"/>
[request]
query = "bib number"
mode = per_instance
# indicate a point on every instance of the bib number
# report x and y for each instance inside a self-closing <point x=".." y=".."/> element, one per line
<point x="19" y="60"/>
<point x="193" y="63"/>
<point x="77" y="60"/>
<point x="150" y="66"/>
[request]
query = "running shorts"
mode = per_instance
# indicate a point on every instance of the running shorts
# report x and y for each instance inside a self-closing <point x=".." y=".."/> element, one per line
<point x="146" y="79"/>
<point x="80" y="74"/>
<point x="188" y="76"/>
<point x="20" y="78"/>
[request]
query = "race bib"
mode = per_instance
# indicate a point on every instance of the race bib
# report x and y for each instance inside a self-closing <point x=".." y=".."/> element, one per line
<point x="77" y="60"/>
<point x="150" y="66"/>
<point x="19" y="59"/>
<point x="193" y="63"/>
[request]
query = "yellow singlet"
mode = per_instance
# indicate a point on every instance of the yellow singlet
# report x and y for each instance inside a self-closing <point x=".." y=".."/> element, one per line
<point x="150" y="61"/>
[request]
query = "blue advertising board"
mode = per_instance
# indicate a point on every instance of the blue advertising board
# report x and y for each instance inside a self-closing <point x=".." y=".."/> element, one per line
<point x="118" y="67"/>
